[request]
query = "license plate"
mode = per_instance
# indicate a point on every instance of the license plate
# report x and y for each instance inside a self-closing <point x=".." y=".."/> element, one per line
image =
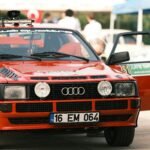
<point x="90" y="117"/>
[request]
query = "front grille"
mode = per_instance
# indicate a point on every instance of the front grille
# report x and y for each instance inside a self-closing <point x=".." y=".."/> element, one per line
<point x="56" y="94"/>
<point x="74" y="106"/>
<point x="135" y="104"/>
<point x="71" y="106"/>
<point x="36" y="120"/>
<point x="112" y="118"/>
<point x="45" y="120"/>
<point x="110" y="105"/>
<point x="34" y="107"/>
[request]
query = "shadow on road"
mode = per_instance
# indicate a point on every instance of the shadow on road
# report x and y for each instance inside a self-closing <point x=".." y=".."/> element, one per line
<point x="45" y="141"/>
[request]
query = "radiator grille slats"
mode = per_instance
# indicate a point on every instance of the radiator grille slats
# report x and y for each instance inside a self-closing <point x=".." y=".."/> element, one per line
<point x="71" y="106"/>
<point x="77" y="106"/>
<point x="110" y="105"/>
<point x="34" y="107"/>
<point x="44" y="120"/>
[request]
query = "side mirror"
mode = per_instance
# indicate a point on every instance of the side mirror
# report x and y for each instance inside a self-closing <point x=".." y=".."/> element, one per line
<point x="119" y="57"/>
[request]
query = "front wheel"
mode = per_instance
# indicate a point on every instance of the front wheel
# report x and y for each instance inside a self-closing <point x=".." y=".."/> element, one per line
<point x="119" y="136"/>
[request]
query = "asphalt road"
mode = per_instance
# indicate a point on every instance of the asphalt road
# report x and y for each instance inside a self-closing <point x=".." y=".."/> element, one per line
<point x="45" y="141"/>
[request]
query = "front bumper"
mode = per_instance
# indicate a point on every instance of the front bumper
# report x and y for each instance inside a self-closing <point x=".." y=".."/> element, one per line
<point x="33" y="115"/>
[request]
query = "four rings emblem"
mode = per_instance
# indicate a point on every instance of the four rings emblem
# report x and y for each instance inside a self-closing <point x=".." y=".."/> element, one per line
<point x="73" y="91"/>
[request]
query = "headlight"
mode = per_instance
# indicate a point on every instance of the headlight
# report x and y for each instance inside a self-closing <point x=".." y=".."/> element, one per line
<point x="15" y="92"/>
<point x="42" y="89"/>
<point x="104" y="88"/>
<point x="125" y="89"/>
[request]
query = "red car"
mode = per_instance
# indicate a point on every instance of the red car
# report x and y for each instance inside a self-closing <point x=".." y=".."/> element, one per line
<point x="51" y="79"/>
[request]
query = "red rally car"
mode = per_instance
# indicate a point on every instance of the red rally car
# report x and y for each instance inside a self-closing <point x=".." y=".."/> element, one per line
<point x="51" y="79"/>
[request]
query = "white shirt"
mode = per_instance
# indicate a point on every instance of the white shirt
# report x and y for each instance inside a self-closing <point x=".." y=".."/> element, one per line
<point x="70" y="22"/>
<point x="92" y="30"/>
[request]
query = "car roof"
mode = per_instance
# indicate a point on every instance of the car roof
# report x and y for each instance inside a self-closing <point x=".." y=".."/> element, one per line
<point x="37" y="25"/>
<point x="51" y="25"/>
<point x="45" y="25"/>
<point x="114" y="31"/>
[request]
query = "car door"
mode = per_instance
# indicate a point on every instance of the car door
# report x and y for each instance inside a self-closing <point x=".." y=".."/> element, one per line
<point x="139" y="64"/>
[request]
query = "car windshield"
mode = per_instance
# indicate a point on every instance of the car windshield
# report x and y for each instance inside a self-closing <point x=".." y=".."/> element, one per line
<point x="42" y="43"/>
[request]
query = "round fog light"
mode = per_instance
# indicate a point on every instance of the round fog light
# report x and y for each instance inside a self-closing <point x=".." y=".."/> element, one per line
<point x="42" y="89"/>
<point x="104" y="88"/>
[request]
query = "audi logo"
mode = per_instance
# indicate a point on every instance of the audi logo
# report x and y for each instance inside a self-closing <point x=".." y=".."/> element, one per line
<point x="73" y="91"/>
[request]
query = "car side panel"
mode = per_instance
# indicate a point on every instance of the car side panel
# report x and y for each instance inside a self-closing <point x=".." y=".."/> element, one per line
<point x="144" y="90"/>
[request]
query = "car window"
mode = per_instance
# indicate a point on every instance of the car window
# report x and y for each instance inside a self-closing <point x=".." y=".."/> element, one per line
<point x="129" y="39"/>
<point x="139" y="51"/>
<point x="123" y="40"/>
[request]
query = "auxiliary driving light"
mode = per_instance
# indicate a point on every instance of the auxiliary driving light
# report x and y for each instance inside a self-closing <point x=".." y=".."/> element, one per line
<point x="104" y="88"/>
<point x="42" y="89"/>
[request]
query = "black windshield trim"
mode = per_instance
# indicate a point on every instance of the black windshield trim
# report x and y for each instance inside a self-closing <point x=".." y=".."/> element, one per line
<point x="60" y="55"/>
<point x="12" y="56"/>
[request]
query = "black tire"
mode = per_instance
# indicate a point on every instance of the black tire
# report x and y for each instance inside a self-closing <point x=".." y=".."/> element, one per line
<point x="119" y="136"/>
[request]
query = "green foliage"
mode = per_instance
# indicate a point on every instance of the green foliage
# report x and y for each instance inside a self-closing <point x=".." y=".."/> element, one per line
<point x="146" y="25"/>
<point x="146" y="22"/>
<point x="82" y="18"/>
<point x="129" y="21"/>
<point x="3" y="14"/>
<point x="126" y="21"/>
<point x="103" y="18"/>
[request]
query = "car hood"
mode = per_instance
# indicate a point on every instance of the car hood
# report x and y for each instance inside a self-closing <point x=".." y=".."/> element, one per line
<point x="26" y="70"/>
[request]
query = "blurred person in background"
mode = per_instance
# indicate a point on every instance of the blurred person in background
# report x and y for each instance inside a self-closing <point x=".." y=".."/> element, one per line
<point x="93" y="29"/>
<point x="70" y="21"/>
<point x="92" y="33"/>
<point x="47" y="18"/>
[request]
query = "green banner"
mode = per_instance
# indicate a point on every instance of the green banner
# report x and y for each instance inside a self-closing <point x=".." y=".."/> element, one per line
<point x="138" y="69"/>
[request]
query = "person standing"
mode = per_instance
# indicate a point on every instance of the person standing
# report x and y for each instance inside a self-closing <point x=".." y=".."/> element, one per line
<point x="70" y="21"/>
<point x="92" y="33"/>
<point x="47" y="18"/>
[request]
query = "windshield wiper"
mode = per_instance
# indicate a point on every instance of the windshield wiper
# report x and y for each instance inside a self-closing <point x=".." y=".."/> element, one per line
<point x="57" y="55"/>
<point x="10" y="56"/>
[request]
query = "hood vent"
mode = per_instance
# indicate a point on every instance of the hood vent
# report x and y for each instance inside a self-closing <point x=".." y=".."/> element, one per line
<point x="79" y="77"/>
<point x="8" y="73"/>
<point x="69" y="78"/>
<point x="99" y="77"/>
<point x="39" y="78"/>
